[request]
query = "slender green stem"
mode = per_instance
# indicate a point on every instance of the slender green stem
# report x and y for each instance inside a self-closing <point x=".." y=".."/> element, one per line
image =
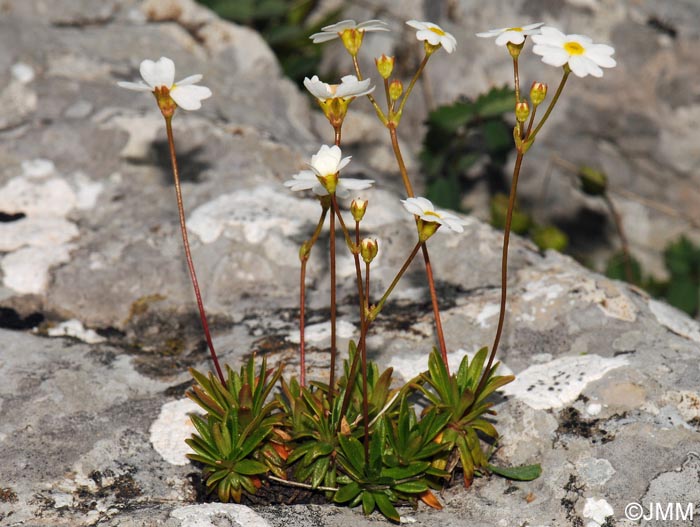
<point x="532" y="120"/>
<point x="389" y="106"/>
<point x="378" y="307"/>
<point x="377" y="109"/>
<point x="188" y="255"/>
<point x="356" y="256"/>
<point x="400" y="161"/>
<point x="553" y="102"/>
<point x="304" y="257"/>
<point x="408" y="91"/>
<point x="504" y="270"/>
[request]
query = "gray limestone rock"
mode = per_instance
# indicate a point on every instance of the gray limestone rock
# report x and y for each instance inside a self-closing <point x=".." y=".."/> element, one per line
<point x="92" y="410"/>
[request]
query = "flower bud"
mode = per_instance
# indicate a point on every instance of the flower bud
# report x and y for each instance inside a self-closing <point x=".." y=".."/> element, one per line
<point x="358" y="208"/>
<point x="522" y="111"/>
<point x="538" y="92"/>
<point x="593" y="182"/>
<point x="395" y="90"/>
<point x="385" y="65"/>
<point x="368" y="249"/>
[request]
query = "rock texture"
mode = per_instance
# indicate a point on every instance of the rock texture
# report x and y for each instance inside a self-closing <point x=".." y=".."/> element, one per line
<point x="92" y="410"/>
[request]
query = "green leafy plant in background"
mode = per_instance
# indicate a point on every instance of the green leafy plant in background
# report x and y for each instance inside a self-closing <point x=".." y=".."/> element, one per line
<point x="285" y="25"/>
<point x="681" y="289"/>
<point x="461" y="134"/>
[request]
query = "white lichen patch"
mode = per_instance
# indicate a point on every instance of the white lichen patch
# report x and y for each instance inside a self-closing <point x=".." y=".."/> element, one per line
<point x="252" y="214"/>
<point x="596" y="511"/>
<point x="169" y="431"/>
<point x="41" y="238"/>
<point x="74" y="328"/>
<point x="595" y="471"/>
<point x="321" y="332"/>
<point x="675" y="320"/>
<point x="22" y="72"/>
<point x="213" y="514"/>
<point x="559" y="382"/>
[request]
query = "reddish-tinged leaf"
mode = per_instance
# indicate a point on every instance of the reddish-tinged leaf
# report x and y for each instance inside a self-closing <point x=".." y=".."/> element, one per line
<point x="430" y="500"/>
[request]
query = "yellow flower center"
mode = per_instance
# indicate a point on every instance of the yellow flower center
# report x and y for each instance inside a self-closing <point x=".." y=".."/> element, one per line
<point x="437" y="31"/>
<point x="514" y="29"/>
<point x="431" y="213"/>
<point x="574" y="48"/>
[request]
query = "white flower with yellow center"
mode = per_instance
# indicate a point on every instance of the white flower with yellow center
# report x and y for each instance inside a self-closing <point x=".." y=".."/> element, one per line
<point x="160" y="76"/>
<point x="427" y="212"/>
<point x="434" y="35"/>
<point x="335" y="30"/>
<point x="514" y="35"/>
<point x="578" y="51"/>
<point x="323" y="176"/>
<point x="348" y="88"/>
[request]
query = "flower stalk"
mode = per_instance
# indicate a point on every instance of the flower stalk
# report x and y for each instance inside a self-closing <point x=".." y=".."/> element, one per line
<point x="186" y="244"/>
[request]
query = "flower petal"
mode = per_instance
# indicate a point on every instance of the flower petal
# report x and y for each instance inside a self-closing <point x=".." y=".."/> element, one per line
<point x="160" y="73"/>
<point x="192" y="79"/>
<point x="190" y="97"/>
<point x="373" y="25"/>
<point x="320" y="38"/>
<point x="136" y="86"/>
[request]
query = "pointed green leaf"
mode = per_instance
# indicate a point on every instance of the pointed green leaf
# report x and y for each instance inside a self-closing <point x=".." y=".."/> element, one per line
<point x="385" y="506"/>
<point x="347" y="492"/>
<point x="521" y="473"/>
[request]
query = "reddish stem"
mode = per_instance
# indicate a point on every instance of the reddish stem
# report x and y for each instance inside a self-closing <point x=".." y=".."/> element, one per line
<point x="188" y="255"/>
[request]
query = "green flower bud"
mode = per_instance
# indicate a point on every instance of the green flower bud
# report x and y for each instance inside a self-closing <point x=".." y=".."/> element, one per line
<point x="593" y="182"/>
<point x="385" y="65"/>
<point x="522" y="111"/>
<point x="358" y="208"/>
<point x="395" y="90"/>
<point x="538" y="92"/>
<point x="368" y="249"/>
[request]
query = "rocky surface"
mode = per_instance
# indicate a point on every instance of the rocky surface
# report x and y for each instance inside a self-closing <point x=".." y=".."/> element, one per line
<point x="92" y="414"/>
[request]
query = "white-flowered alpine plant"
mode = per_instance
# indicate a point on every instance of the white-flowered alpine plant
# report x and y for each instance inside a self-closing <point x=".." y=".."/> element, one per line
<point x="431" y="218"/>
<point x="349" y="88"/>
<point x="579" y="52"/>
<point x="433" y="36"/>
<point x="350" y="32"/>
<point x="159" y="77"/>
<point x="513" y="35"/>
<point x="323" y="178"/>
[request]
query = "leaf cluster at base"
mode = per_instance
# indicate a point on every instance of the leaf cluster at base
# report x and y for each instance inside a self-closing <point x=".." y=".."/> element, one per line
<point x="317" y="437"/>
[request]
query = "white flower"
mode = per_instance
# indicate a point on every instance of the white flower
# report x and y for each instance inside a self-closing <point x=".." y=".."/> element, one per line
<point x="434" y="35"/>
<point x="348" y="88"/>
<point x="161" y="74"/>
<point x="514" y="35"/>
<point x="326" y="163"/>
<point x="425" y="210"/>
<point x="584" y="57"/>
<point x="333" y="31"/>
